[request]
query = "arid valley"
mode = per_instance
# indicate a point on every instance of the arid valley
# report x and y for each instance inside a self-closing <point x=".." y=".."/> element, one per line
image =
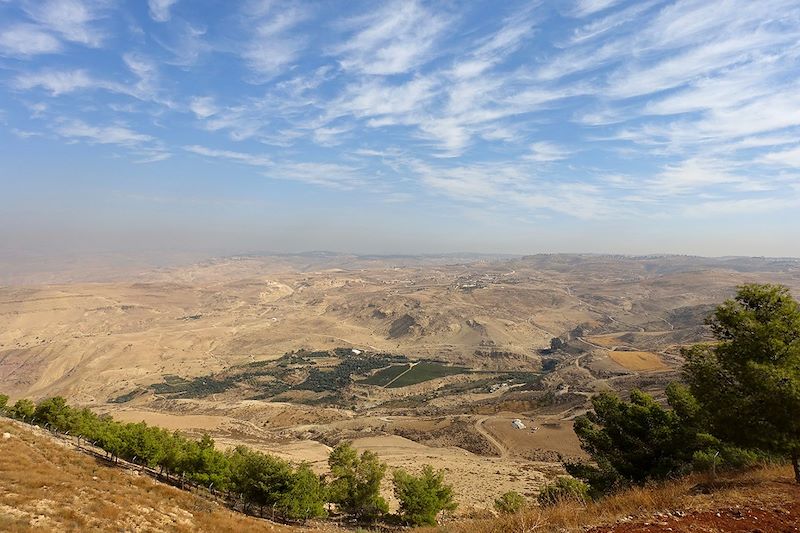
<point x="420" y="359"/>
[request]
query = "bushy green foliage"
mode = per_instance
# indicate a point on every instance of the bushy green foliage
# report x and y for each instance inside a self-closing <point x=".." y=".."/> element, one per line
<point x="305" y="497"/>
<point x="741" y="405"/>
<point x="23" y="409"/>
<point x="259" y="480"/>
<point x="422" y="497"/>
<point x="510" y="502"/>
<point x="748" y="383"/>
<point x="564" y="489"/>
<point x="357" y="482"/>
<point x="3" y="402"/>
<point x="632" y="442"/>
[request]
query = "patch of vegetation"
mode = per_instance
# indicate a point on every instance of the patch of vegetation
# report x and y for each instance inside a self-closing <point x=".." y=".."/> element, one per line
<point x="124" y="398"/>
<point x="334" y="399"/>
<point x="265" y="379"/>
<point x="426" y="371"/>
<point x="196" y="388"/>
<point x="314" y="354"/>
<point x="341" y="375"/>
<point x="270" y="390"/>
<point x="564" y="489"/>
<point x="549" y="364"/>
<point x="529" y="380"/>
<point x="386" y="375"/>
<point x="510" y="502"/>
<point x="482" y="385"/>
<point x="172" y="379"/>
<point x="408" y="402"/>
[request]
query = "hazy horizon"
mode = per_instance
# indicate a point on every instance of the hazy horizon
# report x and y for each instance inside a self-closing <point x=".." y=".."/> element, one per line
<point x="163" y="129"/>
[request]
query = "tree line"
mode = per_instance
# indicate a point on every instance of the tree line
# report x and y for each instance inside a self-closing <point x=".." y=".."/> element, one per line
<point x="738" y="406"/>
<point x="249" y="479"/>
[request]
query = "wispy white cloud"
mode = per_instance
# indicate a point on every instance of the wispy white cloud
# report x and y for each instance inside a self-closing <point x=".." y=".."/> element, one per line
<point x="56" y="81"/>
<point x="703" y="60"/>
<point x="516" y="185"/>
<point x="115" y="134"/>
<point x="203" y="106"/>
<point x="72" y="20"/>
<point x="319" y="173"/>
<point x="60" y="82"/>
<point x="186" y="42"/>
<point x="615" y="22"/>
<point x="239" y="157"/>
<point x="27" y="40"/>
<point x="395" y="39"/>
<point x="274" y="44"/>
<point x="160" y="9"/>
<point x="789" y="158"/>
<point x="333" y="175"/>
<point x="545" y="151"/>
<point x="584" y="8"/>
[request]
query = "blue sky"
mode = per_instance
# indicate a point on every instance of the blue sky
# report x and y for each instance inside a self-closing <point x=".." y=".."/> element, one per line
<point x="577" y="125"/>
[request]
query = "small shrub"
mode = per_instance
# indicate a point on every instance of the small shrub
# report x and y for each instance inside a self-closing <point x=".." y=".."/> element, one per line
<point x="510" y="503"/>
<point x="564" y="489"/>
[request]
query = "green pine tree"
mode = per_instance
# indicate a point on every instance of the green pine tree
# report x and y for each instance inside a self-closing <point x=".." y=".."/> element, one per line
<point x="423" y="497"/>
<point x="748" y="383"/>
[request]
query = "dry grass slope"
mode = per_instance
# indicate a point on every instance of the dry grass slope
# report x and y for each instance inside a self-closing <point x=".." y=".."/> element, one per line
<point x="47" y="487"/>
<point x="691" y="504"/>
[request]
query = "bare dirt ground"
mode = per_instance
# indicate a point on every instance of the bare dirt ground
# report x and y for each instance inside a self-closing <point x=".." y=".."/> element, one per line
<point x="775" y="510"/>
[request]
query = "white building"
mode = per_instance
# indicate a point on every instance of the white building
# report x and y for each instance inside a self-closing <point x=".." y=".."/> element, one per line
<point x="517" y="423"/>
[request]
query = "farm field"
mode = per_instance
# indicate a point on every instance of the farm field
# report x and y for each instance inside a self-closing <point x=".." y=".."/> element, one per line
<point x="637" y="361"/>
<point x="383" y="377"/>
<point x="425" y="371"/>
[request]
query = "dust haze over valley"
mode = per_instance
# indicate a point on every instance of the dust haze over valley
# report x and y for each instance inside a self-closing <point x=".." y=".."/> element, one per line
<point x="418" y="358"/>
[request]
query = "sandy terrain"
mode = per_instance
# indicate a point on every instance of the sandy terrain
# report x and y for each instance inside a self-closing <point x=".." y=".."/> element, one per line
<point x="462" y="469"/>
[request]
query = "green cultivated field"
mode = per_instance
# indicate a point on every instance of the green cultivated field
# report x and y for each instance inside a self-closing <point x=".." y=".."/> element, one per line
<point x="426" y="371"/>
<point x="386" y="375"/>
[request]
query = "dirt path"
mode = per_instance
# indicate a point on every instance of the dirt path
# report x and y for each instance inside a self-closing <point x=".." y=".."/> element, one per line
<point x="496" y="443"/>
<point x="410" y="366"/>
